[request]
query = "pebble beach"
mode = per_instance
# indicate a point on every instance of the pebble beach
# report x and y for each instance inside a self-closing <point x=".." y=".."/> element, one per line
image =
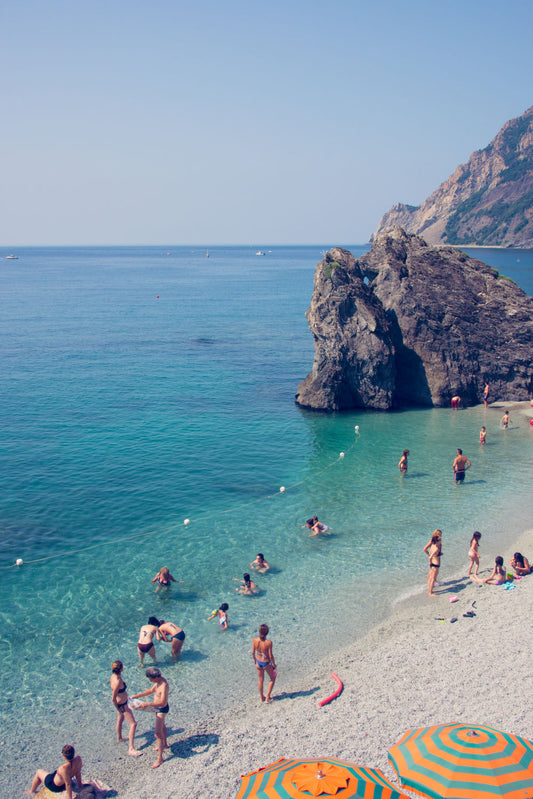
<point x="413" y="670"/>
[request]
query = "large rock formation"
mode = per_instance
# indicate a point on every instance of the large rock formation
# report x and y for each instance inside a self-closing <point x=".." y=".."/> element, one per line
<point x="409" y="324"/>
<point x="488" y="201"/>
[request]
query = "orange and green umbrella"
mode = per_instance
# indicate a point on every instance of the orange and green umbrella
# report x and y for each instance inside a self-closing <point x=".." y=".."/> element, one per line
<point x="302" y="779"/>
<point x="457" y="761"/>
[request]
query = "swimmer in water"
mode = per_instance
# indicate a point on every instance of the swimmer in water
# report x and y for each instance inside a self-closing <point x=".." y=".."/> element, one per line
<point x="248" y="587"/>
<point x="317" y="527"/>
<point x="163" y="579"/>
<point x="260" y="564"/>
<point x="222" y="614"/>
<point x="505" y="420"/>
<point x="482" y="435"/>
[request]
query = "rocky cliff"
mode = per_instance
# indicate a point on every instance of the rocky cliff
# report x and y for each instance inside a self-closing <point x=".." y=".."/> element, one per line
<point x="411" y="324"/>
<point x="488" y="201"/>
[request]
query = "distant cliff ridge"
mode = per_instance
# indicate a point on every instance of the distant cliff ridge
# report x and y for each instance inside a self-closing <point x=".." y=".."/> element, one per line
<point x="487" y="201"/>
<point x="409" y="324"/>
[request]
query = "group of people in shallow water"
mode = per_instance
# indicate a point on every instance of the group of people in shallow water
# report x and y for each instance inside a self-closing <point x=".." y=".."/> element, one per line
<point x="433" y="549"/>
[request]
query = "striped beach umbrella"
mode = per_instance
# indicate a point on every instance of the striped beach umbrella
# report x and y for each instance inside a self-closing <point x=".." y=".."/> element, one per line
<point x="456" y="761"/>
<point x="302" y="779"/>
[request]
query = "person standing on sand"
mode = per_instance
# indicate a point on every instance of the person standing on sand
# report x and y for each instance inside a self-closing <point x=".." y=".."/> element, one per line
<point x="473" y="554"/>
<point x="486" y="393"/>
<point x="434" y="551"/>
<point x="402" y="466"/>
<point x="177" y="636"/>
<point x="263" y="658"/>
<point x="119" y="697"/>
<point x="160" y="704"/>
<point x="61" y="779"/>
<point x="460" y="465"/>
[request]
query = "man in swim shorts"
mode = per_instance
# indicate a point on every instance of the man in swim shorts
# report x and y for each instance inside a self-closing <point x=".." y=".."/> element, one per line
<point x="175" y="634"/>
<point x="160" y="704"/>
<point x="460" y="465"/>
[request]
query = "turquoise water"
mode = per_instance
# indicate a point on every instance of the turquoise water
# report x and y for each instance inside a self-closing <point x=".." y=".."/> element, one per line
<point x="145" y="386"/>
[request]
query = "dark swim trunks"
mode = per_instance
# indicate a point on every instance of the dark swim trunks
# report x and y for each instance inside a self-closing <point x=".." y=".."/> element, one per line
<point x="50" y="784"/>
<point x="179" y="636"/>
<point x="459" y="477"/>
<point x="145" y="647"/>
<point x="163" y="709"/>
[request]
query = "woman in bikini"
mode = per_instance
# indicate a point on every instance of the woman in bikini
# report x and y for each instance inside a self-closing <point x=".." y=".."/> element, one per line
<point x="402" y="466"/>
<point x="434" y="550"/>
<point x="119" y="697"/>
<point x="146" y="634"/>
<point x="264" y="661"/>
<point x="163" y="579"/>
<point x="61" y="779"/>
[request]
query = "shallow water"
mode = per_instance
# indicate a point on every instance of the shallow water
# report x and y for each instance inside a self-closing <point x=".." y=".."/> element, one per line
<point x="141" y="389"/>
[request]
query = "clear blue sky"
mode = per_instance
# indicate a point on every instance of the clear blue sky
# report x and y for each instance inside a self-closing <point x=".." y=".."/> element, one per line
<point x="223" y="121"/>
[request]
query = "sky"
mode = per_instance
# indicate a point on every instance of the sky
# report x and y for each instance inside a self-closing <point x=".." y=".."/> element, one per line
<point x="228" y="122"/>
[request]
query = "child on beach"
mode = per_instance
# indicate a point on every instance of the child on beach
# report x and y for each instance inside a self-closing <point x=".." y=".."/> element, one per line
<point x="482" y="435"/>
<point x="260" y="564"/>
<point x="163" y="579"/>
<point x="505" y="421"/>
<point x="498" y="576"/>
<point x="222" y="614"/>
<point x="473" y="553"/>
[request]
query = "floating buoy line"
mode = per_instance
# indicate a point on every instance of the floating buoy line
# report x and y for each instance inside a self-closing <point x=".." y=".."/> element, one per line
<point x="282" y="490"/>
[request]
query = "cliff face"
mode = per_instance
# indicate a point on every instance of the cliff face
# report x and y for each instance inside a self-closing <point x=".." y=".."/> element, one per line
<point x="410" y="324"/>
<point x="488" y="201"/>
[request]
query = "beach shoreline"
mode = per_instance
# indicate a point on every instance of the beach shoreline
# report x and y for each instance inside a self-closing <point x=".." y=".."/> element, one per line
<point x="411" y="670"/>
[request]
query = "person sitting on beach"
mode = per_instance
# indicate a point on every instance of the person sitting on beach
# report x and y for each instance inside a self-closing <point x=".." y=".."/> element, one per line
<point x="248" y="587"/>
<point x="498" y="576"/>
<point x="61" y="779"/>
<point x="520" y="564"/>
<point x="263" y="658"/>
<point x="119" y="697"/>
<point x="482" y="435"/>
<point x="163" y="579"/>
<point x="317" y="527"/>
<point x="260" y="564"/>
<point x="177" y="636"/>
<point x="160" y="704"/>
<point x="222" y="613"/>
<point x="146" y="634"/>
<point x="473" y="553"/>
<point x="402" y="466"/>
<point x="505" y="421"/>
<point x="460" y="465"/>
<point x="434" y="551"/>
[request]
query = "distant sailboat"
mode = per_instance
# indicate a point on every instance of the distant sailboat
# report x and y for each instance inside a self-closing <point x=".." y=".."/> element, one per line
<point x="207" y="254"/>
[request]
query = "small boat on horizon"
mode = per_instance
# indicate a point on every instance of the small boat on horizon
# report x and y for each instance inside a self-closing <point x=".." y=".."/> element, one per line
<point x="12" y="257"/>
<point x="207" y="254"/>
<point x="260" y="252"/>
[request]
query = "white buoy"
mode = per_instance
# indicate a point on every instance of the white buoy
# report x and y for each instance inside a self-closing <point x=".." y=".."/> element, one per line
<point x="341" y="454"/>
<point x="282" y="489"/>
<point x="19" y="562"/>
<point x="186" y="521"/>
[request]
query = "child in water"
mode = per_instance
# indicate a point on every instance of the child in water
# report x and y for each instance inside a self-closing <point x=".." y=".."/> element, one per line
<point x="482" y="435"/>
<point x="222" y="614"/>
<point x="505" y="420"/>
<point x="473" y="553"/>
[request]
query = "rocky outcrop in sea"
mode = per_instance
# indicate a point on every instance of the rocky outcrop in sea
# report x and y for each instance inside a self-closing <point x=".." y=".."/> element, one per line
<point x="487" y="201"/>
<point x="409" y="324"/>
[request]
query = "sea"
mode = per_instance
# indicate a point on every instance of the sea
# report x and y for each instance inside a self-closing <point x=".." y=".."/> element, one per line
<point x="148" y="420"/>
